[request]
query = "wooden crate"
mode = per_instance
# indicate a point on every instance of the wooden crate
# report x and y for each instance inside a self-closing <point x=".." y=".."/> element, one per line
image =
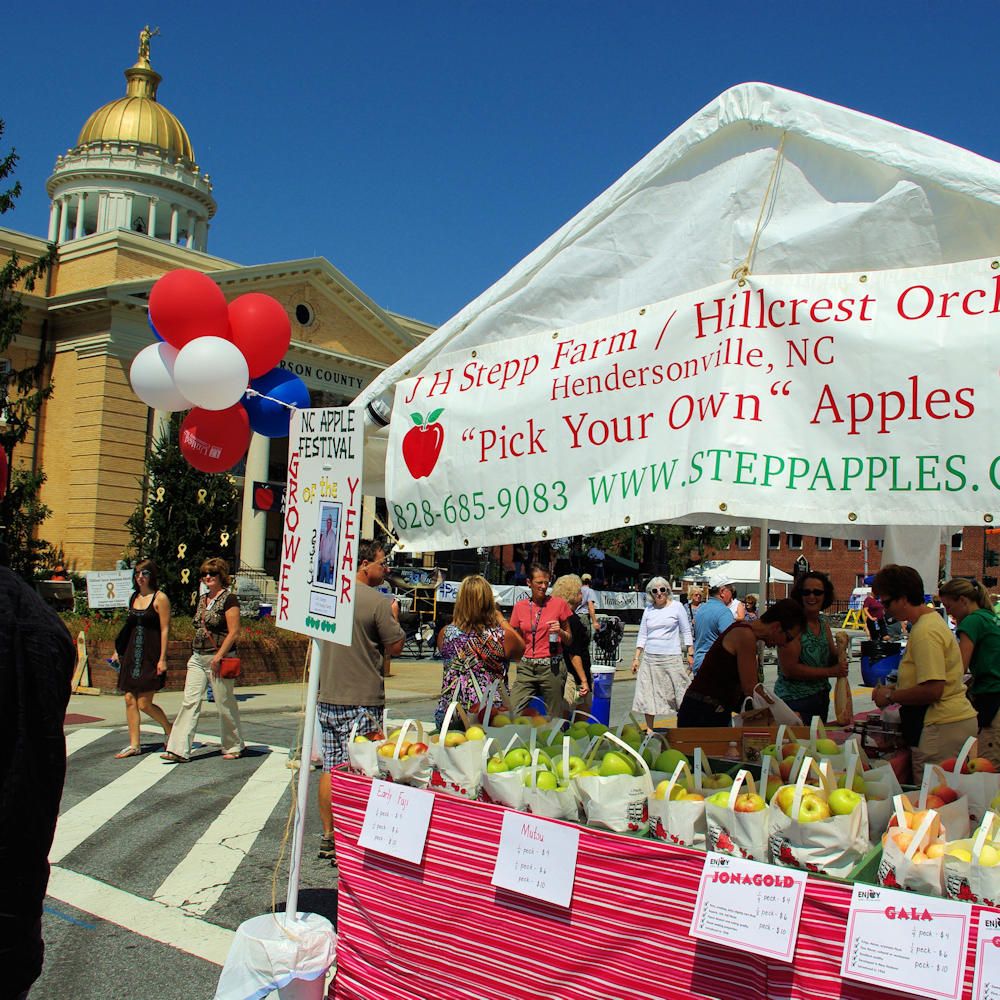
<point x="715" y="740"/>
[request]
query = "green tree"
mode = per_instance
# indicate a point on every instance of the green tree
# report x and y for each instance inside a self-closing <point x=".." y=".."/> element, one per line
<point x="187" y="516"/>
<point x="22" y="393"/>
<point x="664" y="549"/>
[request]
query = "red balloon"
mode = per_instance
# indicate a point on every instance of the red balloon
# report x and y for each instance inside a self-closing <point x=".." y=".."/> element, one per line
<point x="261" y="330"/>
<point x="186" y="304"/>
<point x="215" y="440"/>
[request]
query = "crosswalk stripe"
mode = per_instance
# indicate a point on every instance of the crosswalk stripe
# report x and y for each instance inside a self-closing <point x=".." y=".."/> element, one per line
<point x="196" y="884"/>
<point x="87" y="817"/>
<point x="150" y="919"/>
<point x="80" y="738"/>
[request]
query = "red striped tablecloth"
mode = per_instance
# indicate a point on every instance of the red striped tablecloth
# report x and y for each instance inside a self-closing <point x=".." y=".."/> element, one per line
<point x="440" y="930"/>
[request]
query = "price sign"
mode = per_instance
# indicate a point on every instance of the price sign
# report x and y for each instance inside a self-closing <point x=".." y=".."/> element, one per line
<point x="987" y="982"/>
<point x="396" y="820"/>
<point x="749" y="906"/>
<point x="537" y="858"/>
<point x="914" y="944"/>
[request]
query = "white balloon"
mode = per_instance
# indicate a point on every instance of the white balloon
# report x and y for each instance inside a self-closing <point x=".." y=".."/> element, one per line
<point x="211" y="372"/>
<point x="152" y="378"/>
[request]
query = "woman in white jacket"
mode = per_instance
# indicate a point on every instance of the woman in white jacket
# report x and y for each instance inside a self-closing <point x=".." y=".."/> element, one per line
<point x="663" y="672"/>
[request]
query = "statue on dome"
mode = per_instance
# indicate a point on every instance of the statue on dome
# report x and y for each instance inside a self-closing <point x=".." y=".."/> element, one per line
<point x="144" y="36"/>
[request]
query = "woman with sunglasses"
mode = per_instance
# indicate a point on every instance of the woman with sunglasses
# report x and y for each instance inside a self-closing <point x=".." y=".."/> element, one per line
<point x="140" y="655"/>
<point x="662" y="675"/>
<point x="216" y="629"/>
<point x="978" y="634"/>
<point x="936" y="716"/>
<point x="806" y="664"/>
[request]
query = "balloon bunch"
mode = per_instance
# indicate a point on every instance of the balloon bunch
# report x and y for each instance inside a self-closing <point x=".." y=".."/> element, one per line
<point x="219" y="360"/>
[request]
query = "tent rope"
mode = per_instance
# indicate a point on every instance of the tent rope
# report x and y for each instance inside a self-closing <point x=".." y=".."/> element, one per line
<point x="743" y="271"/>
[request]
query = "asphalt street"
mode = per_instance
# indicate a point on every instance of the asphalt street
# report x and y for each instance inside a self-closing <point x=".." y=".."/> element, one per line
<point x="156" y="865"/>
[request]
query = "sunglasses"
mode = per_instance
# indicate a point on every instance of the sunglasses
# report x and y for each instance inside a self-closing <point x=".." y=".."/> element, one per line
<point x="143" y="572"/>
<point x="659" y="590"/>
<point x="812" y="592"/>
<point x="206" y="575"/>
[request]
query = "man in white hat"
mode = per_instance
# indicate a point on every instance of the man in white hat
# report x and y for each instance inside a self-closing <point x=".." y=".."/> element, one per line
<point x="712" y="620"/>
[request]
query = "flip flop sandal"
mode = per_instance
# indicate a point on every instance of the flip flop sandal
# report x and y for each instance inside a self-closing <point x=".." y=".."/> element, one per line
<point x="173" y="758"/>
<point x="129" y="751"/>
<point x="233" y="756"/>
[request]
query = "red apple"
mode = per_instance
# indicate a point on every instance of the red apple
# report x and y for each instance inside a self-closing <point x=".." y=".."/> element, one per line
<point x="982" y="765"/>
<point x="416" y="749"/>
<point x="949" y="765"/>
<point x="263" y="498"/>
<point x="945" y="793"/>
<point x="934" y="801"/>
<point x="748" y="802"/>
<point x="422" y="444"/>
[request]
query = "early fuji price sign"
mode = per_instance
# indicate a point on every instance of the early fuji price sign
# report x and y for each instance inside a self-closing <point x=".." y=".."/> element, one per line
<point x="843" y="398"/>
<point x="322" y="519"/>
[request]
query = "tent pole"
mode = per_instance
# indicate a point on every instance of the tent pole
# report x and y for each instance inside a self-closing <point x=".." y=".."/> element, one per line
<point x="305" y="766"/>
<point x="764" y="566"/>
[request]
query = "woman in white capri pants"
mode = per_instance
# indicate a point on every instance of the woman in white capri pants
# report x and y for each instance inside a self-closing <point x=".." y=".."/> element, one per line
<point x="663" y="673"/>
<point x="216" y="629"/>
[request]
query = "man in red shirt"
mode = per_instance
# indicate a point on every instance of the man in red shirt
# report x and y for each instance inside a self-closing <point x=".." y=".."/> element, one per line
<point x="541" y="670"/>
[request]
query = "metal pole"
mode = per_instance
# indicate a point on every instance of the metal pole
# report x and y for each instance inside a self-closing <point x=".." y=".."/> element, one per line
<point x="305" y="766"/>
<point x="764" y="565"/>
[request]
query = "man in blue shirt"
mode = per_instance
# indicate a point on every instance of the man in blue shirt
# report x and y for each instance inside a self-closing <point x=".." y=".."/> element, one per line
<point x="712" y="619"/>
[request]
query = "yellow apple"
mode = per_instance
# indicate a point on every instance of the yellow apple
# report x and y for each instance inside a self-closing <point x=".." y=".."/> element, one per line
<point x="454" y="739"/>
<point x="961" y="853"/>
<point x="475" y="733"/>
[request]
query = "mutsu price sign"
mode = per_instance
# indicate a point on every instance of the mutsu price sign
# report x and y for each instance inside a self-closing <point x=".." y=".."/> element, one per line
<point x="831" y="397"/>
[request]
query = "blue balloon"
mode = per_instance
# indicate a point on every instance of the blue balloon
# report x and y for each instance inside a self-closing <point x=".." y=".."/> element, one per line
<point x="149" y="319"/>
<point x="271" y="418"/>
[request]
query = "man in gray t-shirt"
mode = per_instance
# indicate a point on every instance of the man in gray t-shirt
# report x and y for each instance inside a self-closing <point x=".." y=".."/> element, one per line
<point x="351" y="683"/>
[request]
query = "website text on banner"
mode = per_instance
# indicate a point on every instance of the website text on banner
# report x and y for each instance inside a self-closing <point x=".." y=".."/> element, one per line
<point x="865" y="398"/>
<point x="322" y="517"/>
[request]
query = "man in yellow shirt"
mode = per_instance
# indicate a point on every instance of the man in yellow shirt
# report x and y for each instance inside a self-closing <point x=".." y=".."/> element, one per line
<point x="937" y="716"/>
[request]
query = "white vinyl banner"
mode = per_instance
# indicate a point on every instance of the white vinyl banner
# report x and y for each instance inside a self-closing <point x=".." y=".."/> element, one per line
<point x="831" y="398"/>
<point x="322" y="519"/>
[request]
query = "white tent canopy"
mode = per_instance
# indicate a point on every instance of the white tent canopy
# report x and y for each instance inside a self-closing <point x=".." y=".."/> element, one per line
<point x="852" y="193"/>
<point x="742" y="572"/>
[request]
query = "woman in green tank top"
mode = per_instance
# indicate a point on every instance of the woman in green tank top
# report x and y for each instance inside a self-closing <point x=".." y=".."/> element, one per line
<point x="806" y="665"/>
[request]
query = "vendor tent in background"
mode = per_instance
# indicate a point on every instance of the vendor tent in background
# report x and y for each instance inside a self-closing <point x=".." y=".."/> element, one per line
<point x="796" y="184"/>
<point x="742" y="572"/>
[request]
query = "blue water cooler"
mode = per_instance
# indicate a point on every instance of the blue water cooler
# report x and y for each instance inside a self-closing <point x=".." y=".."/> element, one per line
<point x="603" y="678"/>
<point x="879" y="658"/>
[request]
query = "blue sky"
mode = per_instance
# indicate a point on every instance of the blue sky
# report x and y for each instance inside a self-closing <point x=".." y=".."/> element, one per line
<point x="425" y="148"/>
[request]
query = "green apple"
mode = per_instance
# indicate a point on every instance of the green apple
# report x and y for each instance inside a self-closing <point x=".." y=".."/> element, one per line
<point x="813" y="808"/>
<point x="634" y="741"/>
<point x="843" y="801"/>
<point x="576" y="766"/>
<point x="716" y="781"/>
<point x="615" y="763"/>
<point x="667" y="760"/>
<point x="588" y="773"/>
<point x="597" y="729"/>
<point x="475" y="733"/>
<point x="826" y="747"/>
<point x="545" y="780"/>
<point x="719" y="799"/>
<point x="501" y="720"/>
<point x="858" y="784"/>
<point x="518" y="757"/>
<point x="773" y="784"/>
<point x="524" y="720"/>
<point x="676" y="793"/>
<point x="496" y="764"/>
<point x="578" y="730"/>
<point x="649" y="756"/>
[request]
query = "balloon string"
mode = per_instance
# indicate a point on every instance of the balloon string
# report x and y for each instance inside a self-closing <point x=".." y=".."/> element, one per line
<point x="271" y="399"/>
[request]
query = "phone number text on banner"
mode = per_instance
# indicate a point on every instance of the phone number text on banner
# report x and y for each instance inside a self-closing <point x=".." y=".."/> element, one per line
<point x="829" y="397"/>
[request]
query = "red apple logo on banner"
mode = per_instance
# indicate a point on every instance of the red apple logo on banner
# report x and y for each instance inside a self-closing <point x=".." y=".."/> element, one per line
<point x="422" y="444"/>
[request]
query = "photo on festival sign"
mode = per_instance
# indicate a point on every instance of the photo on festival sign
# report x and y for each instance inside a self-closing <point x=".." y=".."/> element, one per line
<point x="327" y="545"/>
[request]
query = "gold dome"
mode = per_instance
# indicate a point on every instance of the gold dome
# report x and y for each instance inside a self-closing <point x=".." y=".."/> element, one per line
<point x="137" y="117"/>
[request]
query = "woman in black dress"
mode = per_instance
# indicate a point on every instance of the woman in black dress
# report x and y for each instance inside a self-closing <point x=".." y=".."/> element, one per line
<point x="141" y="654"/>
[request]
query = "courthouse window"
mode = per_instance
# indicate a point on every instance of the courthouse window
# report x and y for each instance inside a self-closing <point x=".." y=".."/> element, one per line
<point x="824" y="544"/>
